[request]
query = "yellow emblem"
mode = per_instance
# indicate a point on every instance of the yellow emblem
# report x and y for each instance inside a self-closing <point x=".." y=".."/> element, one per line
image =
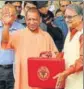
<point x="43" y="73"/>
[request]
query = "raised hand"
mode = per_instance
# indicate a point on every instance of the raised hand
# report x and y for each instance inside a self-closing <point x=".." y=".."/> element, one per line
<point x="7" y="17"/>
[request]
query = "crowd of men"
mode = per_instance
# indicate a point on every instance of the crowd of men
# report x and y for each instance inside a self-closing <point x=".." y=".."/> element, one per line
<point x="39" y="31"/>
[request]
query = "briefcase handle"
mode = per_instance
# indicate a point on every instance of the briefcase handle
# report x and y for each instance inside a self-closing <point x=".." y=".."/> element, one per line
<point x="46" y="54"/>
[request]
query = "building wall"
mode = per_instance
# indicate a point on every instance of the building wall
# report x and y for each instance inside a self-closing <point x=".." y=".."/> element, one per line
<point x="1" y="4"/>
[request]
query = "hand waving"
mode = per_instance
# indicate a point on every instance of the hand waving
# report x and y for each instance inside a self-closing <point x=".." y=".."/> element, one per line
<point x="7" y="17"/>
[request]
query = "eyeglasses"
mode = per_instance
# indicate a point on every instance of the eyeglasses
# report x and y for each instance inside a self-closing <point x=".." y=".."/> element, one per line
<point x="69" y="17"/>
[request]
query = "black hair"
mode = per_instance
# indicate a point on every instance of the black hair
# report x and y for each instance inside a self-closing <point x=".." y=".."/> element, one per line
<point x="64" y="0"/>
<point x="16" y="1"/>
<point x="8" y="2"/>
<point x="58" y="10"/>
<point x="41" y="4"/>
<point x="31" y="2"/>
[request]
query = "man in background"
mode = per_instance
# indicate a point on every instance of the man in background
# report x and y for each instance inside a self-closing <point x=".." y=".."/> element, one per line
<point x="7" y="56"/>
<point x="63" y="4"/>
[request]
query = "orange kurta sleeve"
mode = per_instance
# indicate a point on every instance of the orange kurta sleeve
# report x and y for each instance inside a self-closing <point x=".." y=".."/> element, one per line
<point x="7" y="45"/>
<point x="13" y="39"/>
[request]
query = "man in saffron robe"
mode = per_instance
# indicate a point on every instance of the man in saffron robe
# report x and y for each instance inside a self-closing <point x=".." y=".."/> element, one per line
<point x="29" y="42"/>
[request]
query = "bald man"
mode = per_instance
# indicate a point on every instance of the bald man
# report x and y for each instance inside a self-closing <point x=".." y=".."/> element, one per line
<point x="29" y="42"/>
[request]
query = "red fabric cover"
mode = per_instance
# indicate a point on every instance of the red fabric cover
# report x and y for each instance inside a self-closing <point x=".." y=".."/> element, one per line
<point x="37" y="75"/>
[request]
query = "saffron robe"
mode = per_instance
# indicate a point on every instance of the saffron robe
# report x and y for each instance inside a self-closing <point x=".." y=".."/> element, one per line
<point x="28" y="44"/>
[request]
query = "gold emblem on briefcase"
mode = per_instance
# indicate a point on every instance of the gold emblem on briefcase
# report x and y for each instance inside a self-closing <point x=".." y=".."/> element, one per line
<point x="43" y="73"/>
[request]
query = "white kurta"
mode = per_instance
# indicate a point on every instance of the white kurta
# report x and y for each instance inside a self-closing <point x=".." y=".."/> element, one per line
<point x="71" y="54"/>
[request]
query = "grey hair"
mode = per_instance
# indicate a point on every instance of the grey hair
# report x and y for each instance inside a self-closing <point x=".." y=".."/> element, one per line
<point x="76" y="8"/>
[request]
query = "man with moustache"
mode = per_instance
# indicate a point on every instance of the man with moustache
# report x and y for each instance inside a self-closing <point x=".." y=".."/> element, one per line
<point x="73" y="50"/>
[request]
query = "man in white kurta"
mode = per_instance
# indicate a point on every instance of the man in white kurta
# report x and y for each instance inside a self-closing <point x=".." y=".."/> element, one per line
<point x="73" y="50"/>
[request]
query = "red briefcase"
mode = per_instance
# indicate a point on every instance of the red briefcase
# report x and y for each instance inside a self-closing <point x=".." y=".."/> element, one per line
<point x="42" y="70"/>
